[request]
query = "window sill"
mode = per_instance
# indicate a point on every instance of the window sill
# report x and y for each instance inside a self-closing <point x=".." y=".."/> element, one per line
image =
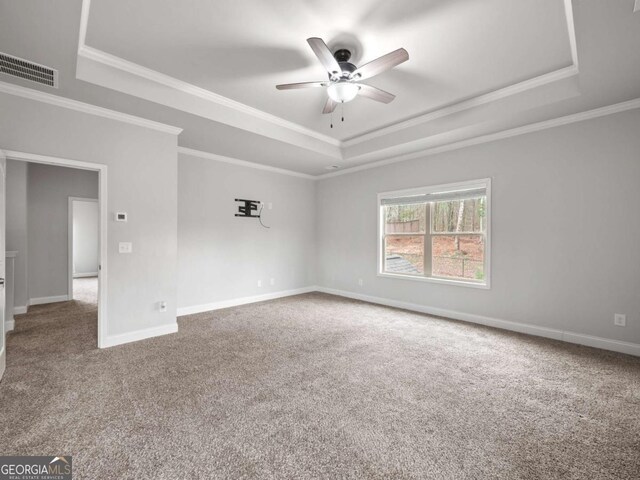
<point x="442" y="281"/>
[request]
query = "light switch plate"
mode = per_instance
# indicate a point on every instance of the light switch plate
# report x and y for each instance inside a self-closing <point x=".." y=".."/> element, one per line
<point x="125" y="247"/>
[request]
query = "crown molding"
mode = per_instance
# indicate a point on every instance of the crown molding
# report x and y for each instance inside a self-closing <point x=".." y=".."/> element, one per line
<point x="156" y="77"/>
<point x="473" y="102"/>
<point x="133" y="68"/>
<point x="513" y="132"/>
<point x="495" y="95"/>
<point x="39" y="96"/>
<point x="190" y="89"/>
<point x="243" y="163"/>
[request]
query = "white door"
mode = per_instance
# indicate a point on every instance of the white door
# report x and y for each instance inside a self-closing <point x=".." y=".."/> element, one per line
<point x="3" y="350"/>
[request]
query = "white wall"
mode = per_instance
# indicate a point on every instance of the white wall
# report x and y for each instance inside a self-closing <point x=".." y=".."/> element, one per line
<point x="142" y="180"/>
<point x="48" y="199"/>
<point x="16" y="226"/>
<point x="565" y="232"/>
<point x="86" y="227"/>
<point x="222" y="257"/>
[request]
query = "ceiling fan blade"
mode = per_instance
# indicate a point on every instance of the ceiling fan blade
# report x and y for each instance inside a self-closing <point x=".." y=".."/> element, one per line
<point x="330" y="106"/>
<point x="381" y="64"/>
<point x="292" y="86"/>
<point x="324" y="55"/>
<point x="375" y="93"/>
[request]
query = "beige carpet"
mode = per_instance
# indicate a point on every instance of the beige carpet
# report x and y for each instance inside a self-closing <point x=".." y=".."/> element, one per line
<point x="316" y="386"/>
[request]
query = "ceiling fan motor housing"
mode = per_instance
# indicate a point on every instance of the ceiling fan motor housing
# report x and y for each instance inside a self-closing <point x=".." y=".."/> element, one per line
<point x="342" y="56"/>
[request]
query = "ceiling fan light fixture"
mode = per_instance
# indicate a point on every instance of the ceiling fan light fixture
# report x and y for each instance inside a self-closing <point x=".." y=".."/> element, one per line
<point x="343" y="92"/>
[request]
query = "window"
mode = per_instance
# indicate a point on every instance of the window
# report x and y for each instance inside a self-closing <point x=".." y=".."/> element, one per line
<point x="438" y="233"/>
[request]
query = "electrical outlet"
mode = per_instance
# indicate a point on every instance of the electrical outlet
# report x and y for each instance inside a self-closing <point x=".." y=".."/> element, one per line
<point x="259" y="283"/>
<point x="162" y="306"/>
<point x="272" y="281"/>
<point x="360" y="282"/>
<point x="270" y="206"/>
<point x="620" y="320"/>
<point x="125" y="247"/>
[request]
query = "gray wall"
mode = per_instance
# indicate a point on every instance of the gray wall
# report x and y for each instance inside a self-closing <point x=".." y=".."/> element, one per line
<point x="142" y="180"/>
<point x="565" y="231"/>
<point x="86" y="226"/>
<point x="222" y="257"/>
<point x="16" y="226"/>
<point x="49" y="190"/>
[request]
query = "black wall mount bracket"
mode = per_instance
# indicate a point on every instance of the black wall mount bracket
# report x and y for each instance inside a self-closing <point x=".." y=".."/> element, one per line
<point x="248" y="208"/>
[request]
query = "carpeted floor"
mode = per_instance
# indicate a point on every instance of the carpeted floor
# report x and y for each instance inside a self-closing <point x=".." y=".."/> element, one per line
<point x="316" y="386"/>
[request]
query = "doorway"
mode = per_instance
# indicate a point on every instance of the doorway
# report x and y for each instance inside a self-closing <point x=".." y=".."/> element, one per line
<point x="99" y="203"/>
<point x="83" y="247"/>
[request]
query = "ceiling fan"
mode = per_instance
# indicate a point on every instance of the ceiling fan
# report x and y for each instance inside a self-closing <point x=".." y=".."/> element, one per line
<point x="344" y="77"/>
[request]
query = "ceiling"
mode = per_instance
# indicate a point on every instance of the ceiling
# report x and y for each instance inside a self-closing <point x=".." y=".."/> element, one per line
<point x="458" y="49"/>
<point x="476" y="67"/>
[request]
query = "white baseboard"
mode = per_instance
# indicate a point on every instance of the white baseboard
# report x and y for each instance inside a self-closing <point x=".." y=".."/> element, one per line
<point x="84" y="275"/>
<point x="9" y="325"/>
<point x="43" y="300"/>
<point x="113" y="340"/>
<point x="207" y="307"/>
<point x="20" y="310"/>
<point x="571" y="337"/>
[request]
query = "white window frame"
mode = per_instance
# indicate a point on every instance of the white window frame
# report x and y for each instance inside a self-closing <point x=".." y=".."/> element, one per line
<point x="449" y="187"/>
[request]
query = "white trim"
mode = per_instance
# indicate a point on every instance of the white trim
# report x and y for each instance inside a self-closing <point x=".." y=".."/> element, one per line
<point x="52" y="299"/>
<point x="49" y="160"/>
<point x="113" y="340"/>
<point x="70" y="274"/>
<point x="441" y="281"/>
<point x="64" y="102"/>
<point x="566" y="336"/>
<point x="190" y="89"/>
<point x="243" y="163"/>
<point x="242" y="301"/>
<point x="492" y="137"/>
<point x="103" y="200"/>
<point x="20" y="310"/>
<point x="166" y="80"/>
<point x="9" y="325"/>
<point x="473" y="102"/>
<point x="121" y="64"/>
<point x="84" y="21"/>
<point x="448" y="187"/>
<point x="571" y="30"/>
<point x="85" y="275"/>
<point x="545" y="79"/>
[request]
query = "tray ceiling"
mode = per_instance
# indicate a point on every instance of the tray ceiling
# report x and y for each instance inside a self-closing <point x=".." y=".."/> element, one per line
<point x="239" y="50"/>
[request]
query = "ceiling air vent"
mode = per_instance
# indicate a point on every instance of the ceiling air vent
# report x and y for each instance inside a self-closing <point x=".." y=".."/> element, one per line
<point x="17" y="67"/>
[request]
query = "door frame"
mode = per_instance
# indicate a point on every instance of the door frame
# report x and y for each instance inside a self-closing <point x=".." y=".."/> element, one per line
<point x="3" y="219"/>
<point x="70" y="239"/>
<point x="102" y="202"/>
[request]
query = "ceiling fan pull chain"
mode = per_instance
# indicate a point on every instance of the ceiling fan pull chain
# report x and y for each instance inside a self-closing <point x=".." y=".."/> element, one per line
<point x="342" y="111"/>
<point x="332" y="119"/>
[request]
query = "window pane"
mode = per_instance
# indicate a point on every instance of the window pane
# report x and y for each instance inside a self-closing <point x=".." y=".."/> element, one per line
<point x="405" y="218"/>
<point x="459" y="216"/>
<point x="458" y="256"/>
<point x="404" y="254"/>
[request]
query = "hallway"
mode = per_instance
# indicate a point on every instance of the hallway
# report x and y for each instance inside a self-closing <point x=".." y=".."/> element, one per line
<point x="44" y="327"/>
